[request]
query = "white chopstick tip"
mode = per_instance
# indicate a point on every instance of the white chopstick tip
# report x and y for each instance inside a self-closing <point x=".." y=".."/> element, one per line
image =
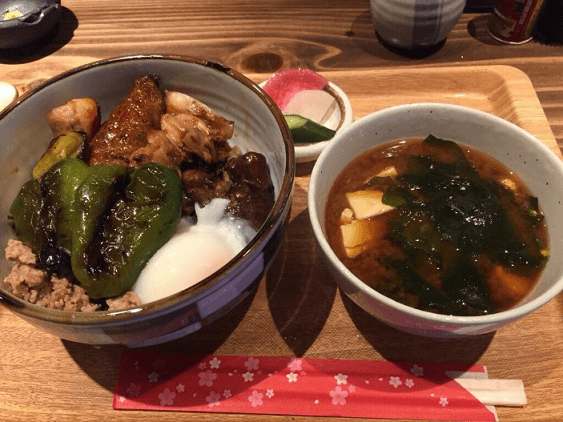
<point x="8" y="94"/>
<point x="492" y="392"/>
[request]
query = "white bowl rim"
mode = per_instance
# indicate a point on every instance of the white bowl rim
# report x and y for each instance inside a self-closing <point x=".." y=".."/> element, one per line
<point x="499" y="317"/>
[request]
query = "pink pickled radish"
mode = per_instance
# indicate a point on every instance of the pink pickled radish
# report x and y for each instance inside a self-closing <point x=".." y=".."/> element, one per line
<point x="284" y="84"/>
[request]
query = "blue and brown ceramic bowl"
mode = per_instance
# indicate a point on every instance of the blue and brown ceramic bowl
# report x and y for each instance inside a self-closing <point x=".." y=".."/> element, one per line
<point x="259" y="125"/>
<point x="23" y="22"/>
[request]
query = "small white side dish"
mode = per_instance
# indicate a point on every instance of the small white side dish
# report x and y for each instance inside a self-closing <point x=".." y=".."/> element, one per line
<point x="535" y="163"/>
<point x="341" y="118"/>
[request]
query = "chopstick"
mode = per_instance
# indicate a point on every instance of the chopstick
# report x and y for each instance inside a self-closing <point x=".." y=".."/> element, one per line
<point x="493" y="392"/>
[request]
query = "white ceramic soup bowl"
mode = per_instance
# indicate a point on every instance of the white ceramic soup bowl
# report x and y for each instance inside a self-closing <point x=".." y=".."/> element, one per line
<point x="539" y="168"/>
<point x="259" y="126"/>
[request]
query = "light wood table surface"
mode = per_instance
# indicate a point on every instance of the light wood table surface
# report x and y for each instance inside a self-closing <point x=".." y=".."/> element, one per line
<point x="297" y="309"/>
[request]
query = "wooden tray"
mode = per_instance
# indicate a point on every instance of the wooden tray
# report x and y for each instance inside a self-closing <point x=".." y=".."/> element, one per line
<point x="504" y="91"/>
<point x="297" y="309"/>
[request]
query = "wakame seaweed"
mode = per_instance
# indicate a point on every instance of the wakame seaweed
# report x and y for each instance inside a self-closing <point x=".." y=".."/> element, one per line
<point x="430" y="298"/>
<point x="450" y="216"/>
<point x="438" y="226"/>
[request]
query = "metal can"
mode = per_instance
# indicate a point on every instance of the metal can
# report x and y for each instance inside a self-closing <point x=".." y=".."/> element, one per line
<point x="512" y="21"/>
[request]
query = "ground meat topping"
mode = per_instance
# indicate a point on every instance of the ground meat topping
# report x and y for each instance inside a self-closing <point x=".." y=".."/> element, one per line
<point x="17" y="251"/>
<point x="49" y="291"/>
<point x="125" y="301"/>
<point x="67" y="297"/>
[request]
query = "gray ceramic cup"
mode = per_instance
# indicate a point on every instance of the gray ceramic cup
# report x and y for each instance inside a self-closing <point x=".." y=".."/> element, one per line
<point x="415" y="24"/>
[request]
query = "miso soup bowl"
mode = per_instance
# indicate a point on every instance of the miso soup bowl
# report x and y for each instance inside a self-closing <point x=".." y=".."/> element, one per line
<point x="539" y="167"/>
<point x="259" y="126"/>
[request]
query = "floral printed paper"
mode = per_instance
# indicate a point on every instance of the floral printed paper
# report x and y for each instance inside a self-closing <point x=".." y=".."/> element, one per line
<point x="296" y="386"/>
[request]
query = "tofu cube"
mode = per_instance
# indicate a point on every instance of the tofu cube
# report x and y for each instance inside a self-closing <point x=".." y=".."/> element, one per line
<point x="390" y="171"/>
<point x="367" y="203"/>
<point x="357" y="236"/>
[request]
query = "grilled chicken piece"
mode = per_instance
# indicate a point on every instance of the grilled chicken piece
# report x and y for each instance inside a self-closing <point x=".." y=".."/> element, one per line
<point x="161" y="149"/>
<point x="77" y="115"/>
<point x="218" y="127"/>
<point x="126" y="130"/>
<point x="201" y="130"/>
<point x="191" y="135"/>
<point x="189" y="127"/>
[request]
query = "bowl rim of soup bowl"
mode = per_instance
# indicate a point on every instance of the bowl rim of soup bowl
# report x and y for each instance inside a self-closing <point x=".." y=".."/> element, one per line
<point x="439" y="322"/>
<point x="233" y="267"/>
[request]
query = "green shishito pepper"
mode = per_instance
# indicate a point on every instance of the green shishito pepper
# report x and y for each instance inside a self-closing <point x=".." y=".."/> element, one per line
<point x="25" y="212"/>
<point x="100" y="223"/>
<point x="59" y="186"/>
<point x="121" y="219"/>
<point x="42" y="213"/>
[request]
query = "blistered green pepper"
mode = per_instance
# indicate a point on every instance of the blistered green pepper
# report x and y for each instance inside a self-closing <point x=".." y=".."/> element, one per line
<point x="99" y="223"/>
<point x="70" y="145"/>
<point x="42" y="212"/>
<point x="93" y="200"/>
<point x="122" y="218"/>
<point x="25" y="213"/>
<point x="58" y="187"/>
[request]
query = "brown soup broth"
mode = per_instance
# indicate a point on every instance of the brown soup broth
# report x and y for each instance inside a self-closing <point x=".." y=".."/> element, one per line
<point x="478" y="253"/>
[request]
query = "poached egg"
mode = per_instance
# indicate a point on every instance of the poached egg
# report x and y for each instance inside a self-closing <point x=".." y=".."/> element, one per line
<point x="195" y="251"/>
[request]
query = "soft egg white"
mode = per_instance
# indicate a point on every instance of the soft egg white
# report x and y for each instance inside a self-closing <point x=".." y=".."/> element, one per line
<point x="194" y="252"/>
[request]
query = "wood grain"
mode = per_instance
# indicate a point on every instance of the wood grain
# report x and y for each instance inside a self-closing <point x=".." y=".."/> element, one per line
<point x="297" y="310"/>
<point x="504" y="91"/>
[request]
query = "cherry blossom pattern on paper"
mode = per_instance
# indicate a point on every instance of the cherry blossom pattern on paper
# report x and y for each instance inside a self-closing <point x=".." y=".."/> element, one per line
<point x="213" y="399"/>
<point x="295" y="365"/>
<point x="291" y="377"/>
<point x="255" y="399"/>
<point x="292" y="386"/>
<point x="341" y="379"/>
<point x="395" y="381"/>
<point x="134" y="390"/>
<point x="417" y="370"/>
<point x="167" y="397"/>
<point x="338" y="396"/>
<point x="252" y="364"/>
<point x="206" y="378"/>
